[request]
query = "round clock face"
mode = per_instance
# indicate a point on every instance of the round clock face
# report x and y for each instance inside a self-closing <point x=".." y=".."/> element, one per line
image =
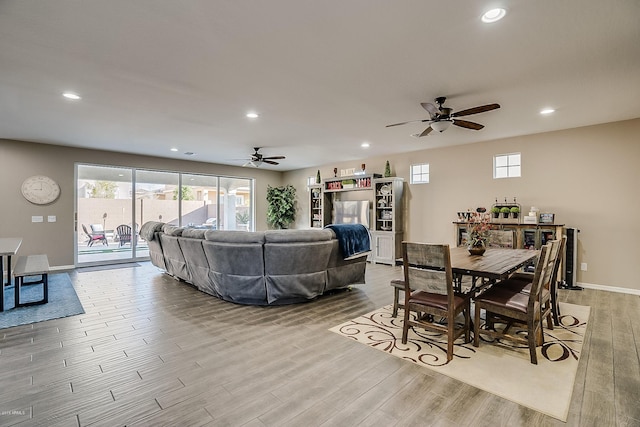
<point x="40" y="190"/>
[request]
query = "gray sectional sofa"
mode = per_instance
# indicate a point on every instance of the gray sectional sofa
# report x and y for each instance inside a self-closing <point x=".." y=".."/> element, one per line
<point x="259" y="268"/>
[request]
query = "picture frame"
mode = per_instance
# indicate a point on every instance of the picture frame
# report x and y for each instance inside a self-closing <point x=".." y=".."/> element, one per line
<point x="546" y="218"/>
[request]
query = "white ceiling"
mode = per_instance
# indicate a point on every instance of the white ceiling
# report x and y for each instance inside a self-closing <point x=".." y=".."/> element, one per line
<point x="324" y="76"/>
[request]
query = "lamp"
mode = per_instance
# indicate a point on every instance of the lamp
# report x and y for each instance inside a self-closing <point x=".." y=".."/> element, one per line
<point x="441" y="125"/>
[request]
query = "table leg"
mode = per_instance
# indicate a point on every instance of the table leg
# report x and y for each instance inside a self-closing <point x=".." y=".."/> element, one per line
<point x="9" y="270"/>
<point x="2" y="283"/>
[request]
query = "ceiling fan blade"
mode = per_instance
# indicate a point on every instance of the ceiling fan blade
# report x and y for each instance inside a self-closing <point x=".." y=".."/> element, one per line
<point x="410" y="121"/>
<point x="271" y="162"/>
<point x="274" y="158"/>
<point x="425" y="132"/>
<point x="476" y="110"/>
<point x="468" y="125"/>
<point x="432" y="109"/>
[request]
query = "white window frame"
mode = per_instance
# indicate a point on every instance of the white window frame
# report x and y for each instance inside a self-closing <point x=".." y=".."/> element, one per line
<point x="419" y="176"/>
<point x="507" y="165"/>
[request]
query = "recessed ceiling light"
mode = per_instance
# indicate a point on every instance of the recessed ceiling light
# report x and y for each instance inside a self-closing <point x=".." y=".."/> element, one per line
<point x="365" y="145"/>
<point x="547" y="111"/>
<point x="174" y="149"/>
<point x="71" y="95"/>
<point x="252" y="115"/>
<point x="189" y="153"/>
<point x="493" y="15"/>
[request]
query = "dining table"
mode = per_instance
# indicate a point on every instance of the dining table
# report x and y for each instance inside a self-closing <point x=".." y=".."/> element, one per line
<point x="8" y="247"/>
<point x="484" y="270"/>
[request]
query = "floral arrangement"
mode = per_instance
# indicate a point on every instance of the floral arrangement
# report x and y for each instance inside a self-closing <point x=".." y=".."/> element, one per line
<point x="478" y="228"/>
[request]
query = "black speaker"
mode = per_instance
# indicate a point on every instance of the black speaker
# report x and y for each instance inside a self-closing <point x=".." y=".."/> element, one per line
<point x="570" y="261"/>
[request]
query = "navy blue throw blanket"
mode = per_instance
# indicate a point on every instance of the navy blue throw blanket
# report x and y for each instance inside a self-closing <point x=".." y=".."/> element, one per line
<point x="353" y="239"/>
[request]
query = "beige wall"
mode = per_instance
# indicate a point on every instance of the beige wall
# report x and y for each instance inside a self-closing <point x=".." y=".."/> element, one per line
<point x="589" y="177"/>
<point x="19" y="160"/>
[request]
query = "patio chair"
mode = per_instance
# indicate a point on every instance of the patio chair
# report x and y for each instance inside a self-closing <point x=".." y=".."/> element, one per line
<point x="124" y="234"/>
<point x="94" y="236"/>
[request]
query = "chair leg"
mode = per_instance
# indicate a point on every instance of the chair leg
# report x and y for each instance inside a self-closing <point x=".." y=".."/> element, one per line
<point x="476" y="326"/>
<point x="555" y="307"/>
<point x="467" y="322"/>
<point x="532" y="339"/>
<point x="405" y="325"/>
<point x="450" y="332"/>
<point x="396" y="297"/>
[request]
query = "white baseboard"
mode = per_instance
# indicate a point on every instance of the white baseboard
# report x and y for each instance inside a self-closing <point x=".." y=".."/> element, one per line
<point x="609" y="288"/>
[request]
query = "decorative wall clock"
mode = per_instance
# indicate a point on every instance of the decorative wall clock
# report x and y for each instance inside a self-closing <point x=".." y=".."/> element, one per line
<point x="40" y="190"/>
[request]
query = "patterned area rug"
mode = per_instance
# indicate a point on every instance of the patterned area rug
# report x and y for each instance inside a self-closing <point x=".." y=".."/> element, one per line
<point x="503" y="369"/>
<point x="63" y="302"/>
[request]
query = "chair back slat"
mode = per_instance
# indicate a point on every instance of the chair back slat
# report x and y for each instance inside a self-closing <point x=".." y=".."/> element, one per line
<point x="428" y="267"/>
<point x="539" y="275"/>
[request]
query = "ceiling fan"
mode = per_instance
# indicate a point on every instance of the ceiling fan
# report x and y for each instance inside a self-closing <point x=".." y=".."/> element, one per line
<point x="257" y="159"/>
<point x="440" y="118"/>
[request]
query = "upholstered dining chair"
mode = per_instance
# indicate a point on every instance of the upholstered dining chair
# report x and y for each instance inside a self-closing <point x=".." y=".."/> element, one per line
<point x="428" y="292"/>
<point x="124" y="234"/>
<point x="549" y="293"/>
<point x="506" y="306"/>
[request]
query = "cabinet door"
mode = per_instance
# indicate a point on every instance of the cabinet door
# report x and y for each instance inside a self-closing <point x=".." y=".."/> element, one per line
<point x="383" y="248"/>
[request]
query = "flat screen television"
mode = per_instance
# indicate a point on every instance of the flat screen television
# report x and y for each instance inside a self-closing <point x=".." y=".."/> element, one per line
<point x="351" y="212"/>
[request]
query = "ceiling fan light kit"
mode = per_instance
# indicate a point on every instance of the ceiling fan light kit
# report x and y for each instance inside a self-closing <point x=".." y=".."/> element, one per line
<point x="441" y="126"/>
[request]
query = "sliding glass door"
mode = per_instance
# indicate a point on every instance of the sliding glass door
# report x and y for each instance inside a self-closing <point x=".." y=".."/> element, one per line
<point x="112" y="203"/>
<point x="103" y="204"/>
<point x="157" y="199"/>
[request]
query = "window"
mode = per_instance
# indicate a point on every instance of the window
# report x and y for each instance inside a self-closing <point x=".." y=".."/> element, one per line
<point x="420" y="173"/>
<point x="506" y="165"/>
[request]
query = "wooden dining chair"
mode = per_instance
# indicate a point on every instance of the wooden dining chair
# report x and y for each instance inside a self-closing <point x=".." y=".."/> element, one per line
<point x="428" y="292"/>
<point x="511" y="307"/>
<point x="549" y="294"/>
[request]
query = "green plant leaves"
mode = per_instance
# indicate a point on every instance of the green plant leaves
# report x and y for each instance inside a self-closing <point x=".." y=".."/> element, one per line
<point x="281" y="209"/>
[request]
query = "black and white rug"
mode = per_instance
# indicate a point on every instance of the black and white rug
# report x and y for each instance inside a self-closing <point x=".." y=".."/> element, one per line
<point x="503" y="369"/>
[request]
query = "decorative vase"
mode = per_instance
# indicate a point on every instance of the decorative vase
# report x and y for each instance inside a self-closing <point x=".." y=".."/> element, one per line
<point x="477" y="250"/>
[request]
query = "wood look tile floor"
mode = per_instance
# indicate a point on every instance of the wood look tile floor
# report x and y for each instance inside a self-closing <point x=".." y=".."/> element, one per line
<point x="152" y="351"/>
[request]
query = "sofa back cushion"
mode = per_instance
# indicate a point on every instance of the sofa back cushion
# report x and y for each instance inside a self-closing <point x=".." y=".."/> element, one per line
<point x="149" y="228"/>
<point x="293" y="236"/>
<point x="193" y="233"/>
<point x="172" y="230"/>
<point x="233" y="236"/>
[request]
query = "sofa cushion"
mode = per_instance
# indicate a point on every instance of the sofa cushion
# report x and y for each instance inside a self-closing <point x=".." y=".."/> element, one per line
<point x="172" y="230"/>
<point x="148" y="229"/>
<point x="290" y="236"/>
<point x="194" y="233"/>
<point x="234" y="236"/>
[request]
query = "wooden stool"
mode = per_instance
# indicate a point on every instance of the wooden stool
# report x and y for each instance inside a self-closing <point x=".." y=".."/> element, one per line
<point x="31" y="265"/>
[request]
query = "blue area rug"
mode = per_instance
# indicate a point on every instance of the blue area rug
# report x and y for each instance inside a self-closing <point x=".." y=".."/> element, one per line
<point x="63" y="302"/>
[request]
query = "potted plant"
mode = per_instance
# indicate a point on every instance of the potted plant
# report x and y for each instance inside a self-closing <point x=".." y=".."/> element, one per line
<point x="505" y="211"/>
<point x="495" y="211"/>
<point x="387" y="170"/>
<point x="478" y="233"/>
<point x="318" y="179"/>
<point x="281" y="209"/>
<point x="515" y="211"/>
